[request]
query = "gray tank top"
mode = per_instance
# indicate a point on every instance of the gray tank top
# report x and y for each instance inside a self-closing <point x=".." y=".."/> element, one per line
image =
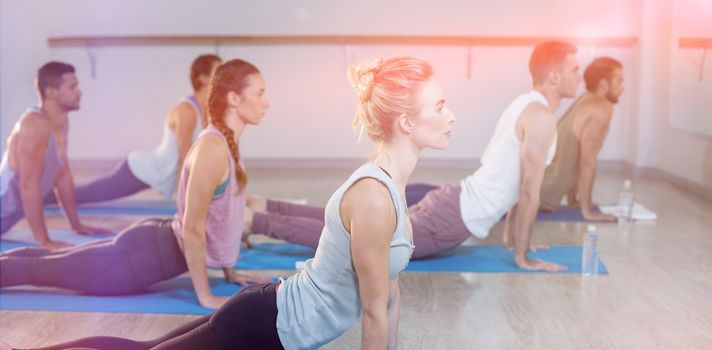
<point x="10" y="183"/>
<point x="321" y="302"/>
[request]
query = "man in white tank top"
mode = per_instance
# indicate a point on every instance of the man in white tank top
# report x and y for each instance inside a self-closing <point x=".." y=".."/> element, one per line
<point x="509" y="179"/>
<point x="555" y="75"/>
<point x="512" y="170"/>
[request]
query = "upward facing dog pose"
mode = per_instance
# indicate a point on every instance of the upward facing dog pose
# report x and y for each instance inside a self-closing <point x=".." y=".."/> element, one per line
<point x="158" y="168"/>
<point x="581" y="132"/>
<point x="35" y="160"/>
<point x="205" y="231"/>
<point x="508" y="181"/>
<point x="366" y="242"/>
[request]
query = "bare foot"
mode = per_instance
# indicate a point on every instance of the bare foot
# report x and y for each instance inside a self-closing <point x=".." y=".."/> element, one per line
<point x="5" y="346"/>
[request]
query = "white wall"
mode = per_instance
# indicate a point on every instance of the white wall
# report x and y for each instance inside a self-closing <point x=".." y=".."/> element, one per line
<point x="684" y="134"/>
<point x="312" y="104"/>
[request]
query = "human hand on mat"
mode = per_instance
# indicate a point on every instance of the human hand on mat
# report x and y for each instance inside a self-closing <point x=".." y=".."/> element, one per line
<point x="89" y="230"/>
<point x="232" y="276"/>
<point x="537" y="264"/>
<point x="598" y="216"/>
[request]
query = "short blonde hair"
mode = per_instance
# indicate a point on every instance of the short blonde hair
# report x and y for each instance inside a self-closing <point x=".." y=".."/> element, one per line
<point x="387" y="89"/>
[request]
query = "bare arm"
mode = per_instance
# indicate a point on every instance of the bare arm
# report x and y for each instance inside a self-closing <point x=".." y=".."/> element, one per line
<point x="367" y="212"/>
<point x="538" y="127"/>
<point x="208" y="168"/>
<point x="32" y="142"/>
<point x="184" y="124"/>
<point x="64" y="187"/>
<point x="592" y="138"/>
<point x="509" y="223"/>
<point x="393" y="314"/>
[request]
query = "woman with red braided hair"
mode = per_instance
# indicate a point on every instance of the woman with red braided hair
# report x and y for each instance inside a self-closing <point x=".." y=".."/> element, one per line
<point x="367" y="240"/>
<point x="205" y="231"/>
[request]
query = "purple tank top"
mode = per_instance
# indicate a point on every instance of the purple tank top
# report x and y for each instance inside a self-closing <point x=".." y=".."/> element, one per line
<point x="224" y="225"/>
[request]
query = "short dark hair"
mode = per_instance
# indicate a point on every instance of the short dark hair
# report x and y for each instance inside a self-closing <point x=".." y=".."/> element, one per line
<point x="600" y="68"/>
<point x="202" y="65"/>
<point x="547" y="56"/>
<point x="50" y="75"/>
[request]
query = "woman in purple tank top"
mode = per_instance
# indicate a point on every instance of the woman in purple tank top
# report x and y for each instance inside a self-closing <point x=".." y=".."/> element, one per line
<point x="402" y="109"/>
<point x="206" y="230"/>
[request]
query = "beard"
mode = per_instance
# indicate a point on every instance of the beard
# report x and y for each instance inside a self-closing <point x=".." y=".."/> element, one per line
<point x="612" y="98"/>
<point x="71" y="106"/>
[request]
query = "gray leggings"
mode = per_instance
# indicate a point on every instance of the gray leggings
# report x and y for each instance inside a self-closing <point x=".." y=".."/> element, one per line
<point x="145" y="253"/>
<point x="434" y="214"/>
<point x="120" y="183"/>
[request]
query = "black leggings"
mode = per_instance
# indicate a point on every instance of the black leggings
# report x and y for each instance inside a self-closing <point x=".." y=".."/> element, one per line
<point x="247" y="321"/>
<point x="145" y="253"/>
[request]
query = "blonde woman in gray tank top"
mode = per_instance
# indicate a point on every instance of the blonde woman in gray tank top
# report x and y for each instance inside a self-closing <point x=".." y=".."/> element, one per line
<point x="367" y="238"/>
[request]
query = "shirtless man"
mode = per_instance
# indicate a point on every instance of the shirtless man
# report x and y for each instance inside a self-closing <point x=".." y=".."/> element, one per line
<point x="35" y="160"/>
<point x="581" y="133"/>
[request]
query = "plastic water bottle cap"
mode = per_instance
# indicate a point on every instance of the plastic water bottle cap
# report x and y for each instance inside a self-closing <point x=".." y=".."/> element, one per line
<point x="591" y="228"/>
<point x="627" y="184"/>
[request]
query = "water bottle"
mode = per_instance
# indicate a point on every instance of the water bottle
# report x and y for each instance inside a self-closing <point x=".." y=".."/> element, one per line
<point x="626" y="202"/>
<point x="589" y="256"/>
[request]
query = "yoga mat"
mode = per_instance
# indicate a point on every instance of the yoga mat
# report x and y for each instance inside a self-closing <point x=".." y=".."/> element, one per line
<point x="174" y="296"/>
<point x="640" y="212"/>
<point x="564" y="213"/>
<point x="465" y="258"/>
<point x="136" y="207"/>
<point x="25" y="236"/>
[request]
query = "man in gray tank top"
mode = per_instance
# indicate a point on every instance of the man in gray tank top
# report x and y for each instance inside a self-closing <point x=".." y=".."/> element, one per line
<point x="35" y="161"/>
<point x="581" y="133"/>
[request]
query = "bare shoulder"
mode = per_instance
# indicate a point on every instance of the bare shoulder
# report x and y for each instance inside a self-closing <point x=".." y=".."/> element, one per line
<point x="368" y="198"/>
<point x="211" y="147"/>
<point x="35" y="126"/>
<point x="184" y="107"/>
<point x="372" y="193"/>
<point x="184" y="111"/>
<point x="536" y="116"/>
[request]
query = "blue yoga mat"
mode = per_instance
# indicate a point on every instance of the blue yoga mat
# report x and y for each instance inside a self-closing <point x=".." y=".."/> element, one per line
<point x="137" y="207"/>
<point x="466" y="258"/>
<point x="174" y="296"/>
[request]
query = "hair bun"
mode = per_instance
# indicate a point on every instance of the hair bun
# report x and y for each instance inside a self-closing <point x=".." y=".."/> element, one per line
<point x="361" y="76"/>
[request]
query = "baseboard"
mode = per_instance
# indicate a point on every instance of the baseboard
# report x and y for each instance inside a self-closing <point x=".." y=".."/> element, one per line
<point x="678" y="181"/>
<point x="299" y="164"/>
<point x="466" y="164"/>
<point x="336" y="163"/>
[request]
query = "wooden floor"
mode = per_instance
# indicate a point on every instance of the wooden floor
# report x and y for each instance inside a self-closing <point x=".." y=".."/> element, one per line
<point x="658" y="294"/>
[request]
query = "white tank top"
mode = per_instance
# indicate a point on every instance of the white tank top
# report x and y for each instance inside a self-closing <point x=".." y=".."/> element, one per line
<point x="158" y="167"/>
<point x="493" y="189"/>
